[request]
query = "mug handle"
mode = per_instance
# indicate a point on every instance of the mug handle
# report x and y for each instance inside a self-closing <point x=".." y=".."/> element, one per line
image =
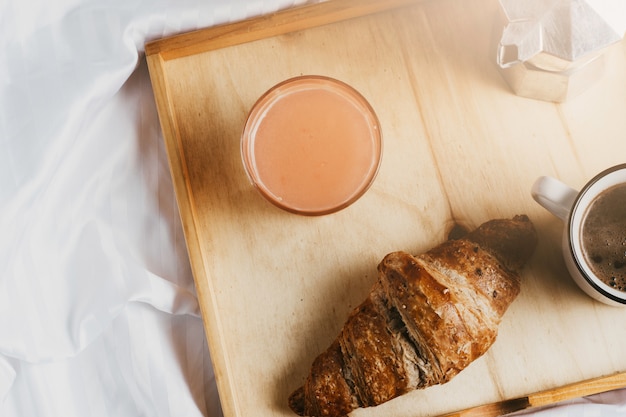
<point x="554" y="196"/>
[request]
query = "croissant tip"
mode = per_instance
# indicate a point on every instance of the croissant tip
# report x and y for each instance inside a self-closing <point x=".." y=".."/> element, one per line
<point x="296" y="401"/>
<point x="521" y="218"/>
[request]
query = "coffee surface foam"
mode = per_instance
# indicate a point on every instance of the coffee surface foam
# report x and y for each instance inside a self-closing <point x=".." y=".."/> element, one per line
<point x="603" y="236"/>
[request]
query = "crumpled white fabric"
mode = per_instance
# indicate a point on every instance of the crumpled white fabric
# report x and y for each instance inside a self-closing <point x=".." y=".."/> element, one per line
<point x="98" y="313"/>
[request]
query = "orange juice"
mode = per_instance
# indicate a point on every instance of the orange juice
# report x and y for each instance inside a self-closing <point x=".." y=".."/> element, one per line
<point x="312" y="145"/>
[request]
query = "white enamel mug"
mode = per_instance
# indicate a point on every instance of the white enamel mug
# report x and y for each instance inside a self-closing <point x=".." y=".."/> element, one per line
<point x="571" y="206"/>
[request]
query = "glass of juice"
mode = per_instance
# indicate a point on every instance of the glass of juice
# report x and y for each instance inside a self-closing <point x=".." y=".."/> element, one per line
<point x="312" y="145"/>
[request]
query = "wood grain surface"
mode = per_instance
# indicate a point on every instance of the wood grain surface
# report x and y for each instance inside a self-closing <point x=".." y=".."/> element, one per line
<point x="459" y="148"/>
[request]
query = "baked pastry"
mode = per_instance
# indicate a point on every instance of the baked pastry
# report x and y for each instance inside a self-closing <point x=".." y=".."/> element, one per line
<point x="426" y="318"/>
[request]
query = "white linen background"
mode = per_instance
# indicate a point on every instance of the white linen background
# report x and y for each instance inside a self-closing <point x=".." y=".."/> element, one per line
<point x="98" y="312"/>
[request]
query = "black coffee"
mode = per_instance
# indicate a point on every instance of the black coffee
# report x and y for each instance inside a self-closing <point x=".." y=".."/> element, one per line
<point x="603" y="236"/>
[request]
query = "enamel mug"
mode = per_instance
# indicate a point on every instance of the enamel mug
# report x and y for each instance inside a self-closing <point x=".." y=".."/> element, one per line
<point x="573" y="208"/>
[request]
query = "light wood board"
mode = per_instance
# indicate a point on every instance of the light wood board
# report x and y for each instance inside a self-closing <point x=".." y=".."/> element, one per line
<point x="459" y="147"/>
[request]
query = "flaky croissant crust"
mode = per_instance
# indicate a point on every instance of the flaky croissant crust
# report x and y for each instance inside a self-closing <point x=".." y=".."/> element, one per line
<point x="426" y="318"/>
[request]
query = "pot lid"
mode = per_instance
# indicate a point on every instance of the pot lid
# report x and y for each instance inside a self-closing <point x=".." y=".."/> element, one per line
<point x="557" y="34"/>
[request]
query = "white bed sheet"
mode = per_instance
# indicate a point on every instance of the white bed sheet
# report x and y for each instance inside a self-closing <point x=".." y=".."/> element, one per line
<point x="98" y="312"/>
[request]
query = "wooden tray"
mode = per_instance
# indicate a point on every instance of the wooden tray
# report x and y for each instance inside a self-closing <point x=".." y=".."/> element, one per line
<point x="460" y="147"/>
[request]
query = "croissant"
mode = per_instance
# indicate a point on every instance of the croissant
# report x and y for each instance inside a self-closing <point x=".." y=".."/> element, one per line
<point x="426" y="318"/>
